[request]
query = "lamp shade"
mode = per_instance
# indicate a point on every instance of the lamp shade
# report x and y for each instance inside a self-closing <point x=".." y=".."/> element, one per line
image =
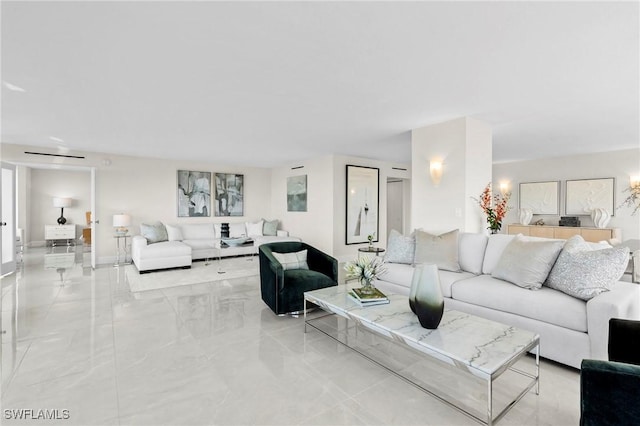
<point x="62" y="202"/>
<point x="121" y="220"/>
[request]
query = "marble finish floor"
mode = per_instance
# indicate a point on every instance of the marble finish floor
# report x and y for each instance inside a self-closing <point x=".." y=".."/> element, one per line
<point x="77" y="339"/>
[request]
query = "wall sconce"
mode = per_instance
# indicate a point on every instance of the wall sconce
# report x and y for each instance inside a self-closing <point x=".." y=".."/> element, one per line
<point x="504" y="187"/>
<point x="61" y="203"/>
<point x="634" y="181"/>
<point x="120" y="222"/>
<point x="435" y="170"/>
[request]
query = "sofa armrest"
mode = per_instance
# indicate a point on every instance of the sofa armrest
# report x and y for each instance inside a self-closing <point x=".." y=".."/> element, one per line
<point x="623" y="301"/>
<point x="608" y="393"/>
<point x="281" y="233"/>
<point x="138" y="243"/>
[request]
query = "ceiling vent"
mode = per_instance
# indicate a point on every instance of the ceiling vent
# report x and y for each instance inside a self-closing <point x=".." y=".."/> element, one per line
<point x="54" y="155"/>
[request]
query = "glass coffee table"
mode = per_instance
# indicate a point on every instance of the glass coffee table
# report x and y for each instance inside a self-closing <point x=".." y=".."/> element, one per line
<point x="465" y="343"/>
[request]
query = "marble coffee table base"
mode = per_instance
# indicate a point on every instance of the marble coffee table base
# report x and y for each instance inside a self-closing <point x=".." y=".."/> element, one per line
<point x="472" y="345"/>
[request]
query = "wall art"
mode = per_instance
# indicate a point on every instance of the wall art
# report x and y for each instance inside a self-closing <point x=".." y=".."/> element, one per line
<point x="363" y="193"/>
<point x="229" y="194"/>
<point x="194" y="193"/>
<point x="540" y="197"/>
<point x="297" y="193"/>
<point x="585" y="195"/>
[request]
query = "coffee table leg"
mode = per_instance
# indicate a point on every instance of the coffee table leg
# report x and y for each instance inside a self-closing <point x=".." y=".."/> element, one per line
<point x="490" y="402"/>
<point x="220" y="271"/>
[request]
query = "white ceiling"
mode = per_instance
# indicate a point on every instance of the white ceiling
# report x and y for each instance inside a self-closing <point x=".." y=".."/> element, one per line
<point x="269" y="83"/>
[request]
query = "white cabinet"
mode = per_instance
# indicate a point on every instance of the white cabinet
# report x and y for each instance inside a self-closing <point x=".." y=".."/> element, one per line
<point x="59" y="232"/>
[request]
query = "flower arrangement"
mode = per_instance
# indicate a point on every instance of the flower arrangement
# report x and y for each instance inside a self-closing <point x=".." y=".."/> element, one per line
<point x="370" y="238"/>
<point x="365" y="270"/>
<point x="633" y="200"/>
<point x="495" y="207"/>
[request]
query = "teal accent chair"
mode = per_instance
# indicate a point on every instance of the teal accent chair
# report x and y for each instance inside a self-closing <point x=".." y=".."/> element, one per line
<point x="283" y="290"/>
<point x="610" y="390"/>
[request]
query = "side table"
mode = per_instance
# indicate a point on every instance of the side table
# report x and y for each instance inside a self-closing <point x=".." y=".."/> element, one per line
<point x="376" y="250"/>
<point x="122" y="249"/>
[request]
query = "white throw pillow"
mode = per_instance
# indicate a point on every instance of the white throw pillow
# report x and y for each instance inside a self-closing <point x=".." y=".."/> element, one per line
<point x="296" y="260"/>
<point x="400" y="248"/>
<point x="584" y="270"/>
<point x="254" y="229"/>
<point x="439" y="249"/>
<point x="237" y="230"/>
<point x="174" y="233"/>
<point x="527" y="263"/>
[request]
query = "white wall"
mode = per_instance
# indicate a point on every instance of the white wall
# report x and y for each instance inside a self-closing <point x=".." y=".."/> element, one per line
<point x="618" y="164"/>
<point x="44" y="186"/>
<point x="464" y="147"/>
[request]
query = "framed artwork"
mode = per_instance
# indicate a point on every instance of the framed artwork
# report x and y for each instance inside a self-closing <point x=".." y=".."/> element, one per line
<point x="540" y="197"/>
<point x="584" y="195"/>
<point x="229" y="194"/>
<point x="363" y="193"/>
<point x="297" y="193"/>
<point x="194" y="194"/>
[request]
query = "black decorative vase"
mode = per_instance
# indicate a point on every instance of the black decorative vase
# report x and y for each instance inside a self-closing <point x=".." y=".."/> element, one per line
<point x="224" y="230"/>
<point x="425" y="297"/>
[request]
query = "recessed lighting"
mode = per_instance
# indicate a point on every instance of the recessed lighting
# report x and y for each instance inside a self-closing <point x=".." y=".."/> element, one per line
<point x="13" y="87"/>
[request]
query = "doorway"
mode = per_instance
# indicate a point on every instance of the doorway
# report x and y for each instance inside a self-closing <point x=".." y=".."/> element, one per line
<point x="397" y="205"/>
<point x="8" y="219"/>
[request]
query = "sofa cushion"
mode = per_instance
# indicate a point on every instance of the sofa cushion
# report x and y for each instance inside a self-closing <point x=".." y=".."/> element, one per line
<point x="402" y="274"/>
<point x="174" y="233"/>
<point x="201" y="244"/>
<point x="495" y="247"/>
<point x="547" y="305"/>
<point x="584" y="272"/>
<point x="527" y="263"/>
<point x="448" y="279"/>
<point x="154" y="232"/>
<point x="270" y="228"/>
<point x="400" y="248"/>
<point x="471" y="248"/>
<point x="293" y="260"/>
<point x="237" y="230"/>
<point x="254" y="229"/>
<point x="197" y="231"/>
<point x="165" y="249"/>
<point x="439" y="249"/>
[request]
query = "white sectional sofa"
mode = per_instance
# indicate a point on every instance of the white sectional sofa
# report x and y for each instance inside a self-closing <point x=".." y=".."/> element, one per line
<point x="570" y="328"/>
<point x="184" y="243"/>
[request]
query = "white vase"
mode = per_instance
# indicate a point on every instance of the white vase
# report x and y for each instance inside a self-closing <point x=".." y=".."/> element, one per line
<point x="525" y="216"/>
<point x="601" y="217"/>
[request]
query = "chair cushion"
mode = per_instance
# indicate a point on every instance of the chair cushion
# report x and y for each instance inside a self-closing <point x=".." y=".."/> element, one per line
<point x="306" y="280"/>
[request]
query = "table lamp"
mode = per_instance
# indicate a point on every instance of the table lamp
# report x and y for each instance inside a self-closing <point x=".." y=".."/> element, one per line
<point x="62" y="202"/>
<point x="120" y="222"/>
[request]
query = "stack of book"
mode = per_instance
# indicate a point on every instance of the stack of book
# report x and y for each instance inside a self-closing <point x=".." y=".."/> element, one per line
<point x="369" y="299"/>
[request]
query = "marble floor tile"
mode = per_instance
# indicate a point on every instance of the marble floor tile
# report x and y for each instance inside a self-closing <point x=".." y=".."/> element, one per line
<point x="215" y="354"/>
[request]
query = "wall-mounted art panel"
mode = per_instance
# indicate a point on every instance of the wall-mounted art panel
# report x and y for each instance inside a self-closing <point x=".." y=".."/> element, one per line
<point x="540" y="197"/>
<point x="584" y="195"/>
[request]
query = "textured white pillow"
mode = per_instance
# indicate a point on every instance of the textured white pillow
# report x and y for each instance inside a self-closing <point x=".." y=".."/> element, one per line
<point x="400" y="248"/>
<point x="154" y="232"/>
<point x="174" y="233"/>
<point x="439" y="249"/>
<point x="254" y="229"/>
<point x="296" y="260"/>
<point x="584" y="270"/>
<point x="527" y="263"/>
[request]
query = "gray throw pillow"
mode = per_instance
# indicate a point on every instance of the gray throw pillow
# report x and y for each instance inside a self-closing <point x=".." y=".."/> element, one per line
<point x="527" y="263"/>
<point x="400" y="248"/>
<point x="270" y="228"/>
<point x="584" y="272"/>
<point x="439" y="249"/>
<point x="296" y="260"/>
<point x="154" y="233"/>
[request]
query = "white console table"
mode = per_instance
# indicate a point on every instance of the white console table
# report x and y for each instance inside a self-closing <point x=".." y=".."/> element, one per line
<point x="55" y="233"/>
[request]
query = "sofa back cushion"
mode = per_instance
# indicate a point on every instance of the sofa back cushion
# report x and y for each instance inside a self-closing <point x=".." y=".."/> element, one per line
<point x="471" y="248"/>
<point x="174" y="232"/>
<point x="197" y="231"/>
<point x="495" y="247"/>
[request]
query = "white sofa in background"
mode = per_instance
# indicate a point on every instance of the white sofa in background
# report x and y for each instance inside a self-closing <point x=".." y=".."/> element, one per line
<point x="570" y="329"/>
<point x="188" y="242"/>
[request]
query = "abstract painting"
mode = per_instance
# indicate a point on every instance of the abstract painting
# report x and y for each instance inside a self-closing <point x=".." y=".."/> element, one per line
<point x="229" y="194"/>
<point x="363" y="190"/>
<point x="540" y="197"/>
<point x="297" y="193"/>
<point x="584" y="195"/>
<point x="194" y="194"/>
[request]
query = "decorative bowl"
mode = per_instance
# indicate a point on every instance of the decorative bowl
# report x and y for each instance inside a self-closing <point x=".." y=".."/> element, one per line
<point x="235" y="242"/>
